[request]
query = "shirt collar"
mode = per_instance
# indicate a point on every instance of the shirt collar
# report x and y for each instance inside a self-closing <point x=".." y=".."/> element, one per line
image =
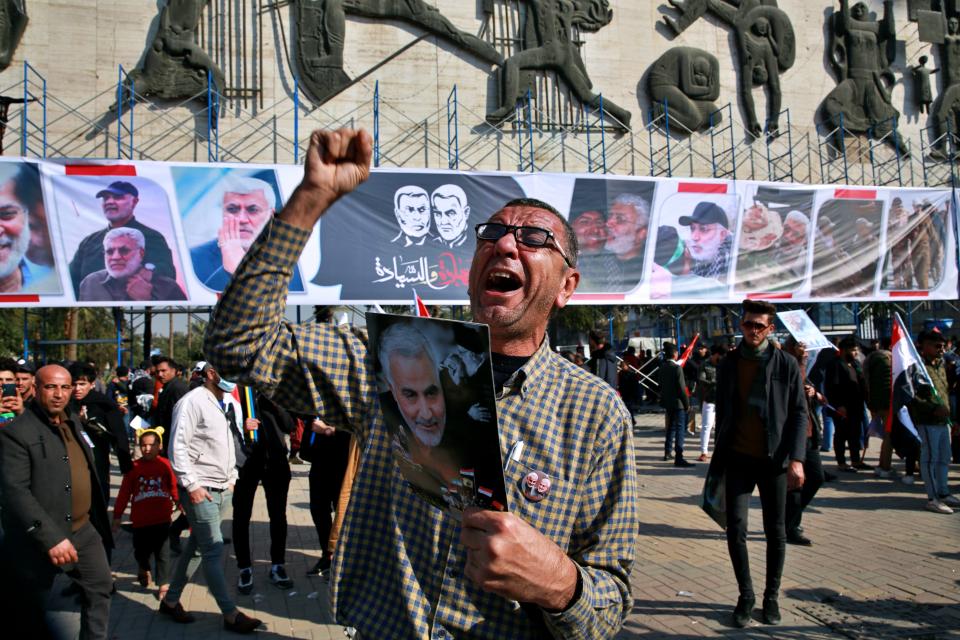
<point x="529" y="375"/>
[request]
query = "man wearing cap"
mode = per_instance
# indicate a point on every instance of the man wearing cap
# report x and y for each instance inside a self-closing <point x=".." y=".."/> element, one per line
<point x="930" y="412"/>
<point x="710" y="240"/>
<point x="203" y="456"/>
<point x="118" y="203"/>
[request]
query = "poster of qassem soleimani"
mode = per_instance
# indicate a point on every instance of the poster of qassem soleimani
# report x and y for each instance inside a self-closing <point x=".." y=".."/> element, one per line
<point x="436" y="392"/>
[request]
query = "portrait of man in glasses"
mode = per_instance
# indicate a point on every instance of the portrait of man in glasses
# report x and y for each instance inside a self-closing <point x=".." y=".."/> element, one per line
<point x="26" y="261"/>
<point x="126" y="275"/>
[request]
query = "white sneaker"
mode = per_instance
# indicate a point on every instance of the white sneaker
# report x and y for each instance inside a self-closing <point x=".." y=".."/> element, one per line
<point x="907" y="480"/>
<point x="951" y="501"/>
<point x="882" y="473"/>
<point x="938" y="507"/>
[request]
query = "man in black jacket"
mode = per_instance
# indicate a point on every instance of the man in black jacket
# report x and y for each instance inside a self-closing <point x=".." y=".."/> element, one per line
<point x="676" y="403"/>
<point x="603" y="361"/>
<point x="265" y="461"/>
<point x="174" y="388"/>
<point x="54" y="517"/>
<point x="813" y="477"/>
<point x="761" y="441"/>
<point x="102" y="421"/>
<point x="846" y="390"/>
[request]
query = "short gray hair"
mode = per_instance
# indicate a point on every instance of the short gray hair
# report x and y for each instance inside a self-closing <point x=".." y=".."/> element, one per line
<point x="244" y="186"/>
<point x="639" y="205"/>
<point x="125" y="232"/>
<point x="404" y="339"/>
<point x="798" y="216"/>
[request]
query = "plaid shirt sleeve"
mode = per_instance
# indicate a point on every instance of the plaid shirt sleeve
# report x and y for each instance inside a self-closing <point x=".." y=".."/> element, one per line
<point x="602" y="544"/>
<point x="309" y="368"/>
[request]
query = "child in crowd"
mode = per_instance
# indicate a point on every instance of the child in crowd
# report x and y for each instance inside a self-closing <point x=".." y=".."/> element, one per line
<point x="152" y="489"/>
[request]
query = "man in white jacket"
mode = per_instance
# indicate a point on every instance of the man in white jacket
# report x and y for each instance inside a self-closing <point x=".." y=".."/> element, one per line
<point x="202" y="450"/>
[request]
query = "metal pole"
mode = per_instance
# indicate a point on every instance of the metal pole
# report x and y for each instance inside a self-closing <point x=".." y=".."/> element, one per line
<point x="296" y="120"/>
<point x="376" y="124"/>
<point x="26" y="337"/>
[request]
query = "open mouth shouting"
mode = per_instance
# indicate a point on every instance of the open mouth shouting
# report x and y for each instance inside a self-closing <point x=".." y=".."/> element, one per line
<point x="501" y="283"/>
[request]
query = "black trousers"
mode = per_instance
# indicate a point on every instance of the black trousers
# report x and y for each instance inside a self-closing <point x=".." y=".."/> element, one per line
<point x="846" y="433"/>
<point x="743" y="473"/>
<point x="153" y="541"/>
<point x="813" y="479"/>
<point x="25" y="589"/>
<point x="329" y="464"/>
<point x="274" y="474"/>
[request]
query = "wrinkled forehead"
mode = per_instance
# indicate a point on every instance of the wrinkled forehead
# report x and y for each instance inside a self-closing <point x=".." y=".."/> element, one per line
<point x="120" y="241"/>
<point x="587" y="218"/>
<point x="527" y="216"/>
<point x="253" y="196"/>
<point x="445" y="203"/>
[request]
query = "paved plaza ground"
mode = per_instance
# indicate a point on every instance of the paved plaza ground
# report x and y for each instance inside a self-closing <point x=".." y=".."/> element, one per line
<point x="881" y="567"/>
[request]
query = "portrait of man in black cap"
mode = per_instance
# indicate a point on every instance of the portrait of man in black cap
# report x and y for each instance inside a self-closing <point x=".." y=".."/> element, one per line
<point x="710" y="241"/>
<point x="118" y="201"/>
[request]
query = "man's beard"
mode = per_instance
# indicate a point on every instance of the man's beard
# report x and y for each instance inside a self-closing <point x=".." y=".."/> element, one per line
<point x="619" y="244"/>
<point x="132" y="267"/>
<point x="706" y="252"/>
<point x="18" y="248"/>
<point x="428" y="438"/>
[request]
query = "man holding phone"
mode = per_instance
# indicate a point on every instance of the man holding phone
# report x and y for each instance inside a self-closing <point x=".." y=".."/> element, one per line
<point x="25" y="380"/>
<point x="11" y="403"/>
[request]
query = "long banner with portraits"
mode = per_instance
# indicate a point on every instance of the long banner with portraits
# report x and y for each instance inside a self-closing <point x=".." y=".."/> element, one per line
<point x="147" y="233"/>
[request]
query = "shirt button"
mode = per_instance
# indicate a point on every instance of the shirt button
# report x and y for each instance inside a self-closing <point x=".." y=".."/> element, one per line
<point x="65" y="458"/>
<point x="69" y="518"/>
<point x="67" y="488"/>
<point x="439" y="633"/>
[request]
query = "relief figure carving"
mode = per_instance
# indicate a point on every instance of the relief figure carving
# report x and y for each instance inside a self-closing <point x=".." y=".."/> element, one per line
<point x="547" y="45"/>
<point x="861" y="52"/>
<point x="766" y="47"/>
<point x="321" y="29"/>
<point x="688" y="79"/>
<point x="175" y="66"/>
<point x="13" y="22"/>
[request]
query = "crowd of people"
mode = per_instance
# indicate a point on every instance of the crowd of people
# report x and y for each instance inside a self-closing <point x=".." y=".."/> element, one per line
<point x="184" y="442"/>
<point x="268" y="393"/>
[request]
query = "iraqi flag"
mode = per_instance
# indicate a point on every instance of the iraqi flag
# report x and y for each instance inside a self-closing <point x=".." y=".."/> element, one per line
<point x="908" y="371"/>
<point x="419" y="309"/>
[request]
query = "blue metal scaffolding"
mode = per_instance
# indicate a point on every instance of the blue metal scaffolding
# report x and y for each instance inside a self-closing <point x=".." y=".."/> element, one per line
<point x="125" y="103"/>
<point x="780" y="153"/>
<point x="33" y="129"/>
<point x="524" y="134"/>
<point x="885" y="158"/>
<point x="596" y="149"/>
<point x="723" y="149"/>
<point x="453" y="131"/>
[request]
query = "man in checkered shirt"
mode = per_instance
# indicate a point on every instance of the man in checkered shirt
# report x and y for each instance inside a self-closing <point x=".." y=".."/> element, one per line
<point x="557" y="564"/>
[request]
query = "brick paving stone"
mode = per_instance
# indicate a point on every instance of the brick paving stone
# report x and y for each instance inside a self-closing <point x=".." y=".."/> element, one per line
<point x="875" y="549"/>
<point x="873" y="543"/>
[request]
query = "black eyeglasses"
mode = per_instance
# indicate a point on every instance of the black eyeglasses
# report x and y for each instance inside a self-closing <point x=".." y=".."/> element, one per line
<point x="529" y="236"/>
<point x="754" y="326"/>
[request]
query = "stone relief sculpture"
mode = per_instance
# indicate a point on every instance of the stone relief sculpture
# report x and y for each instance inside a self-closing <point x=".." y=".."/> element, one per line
<point x="321" y="33"/>
<point x="766" y="47"/>
<point x="688" y="79"/>
<point x="922" y="91"/>
<point x="13" y="22"/>
<point x="321" y="29"/>
<point x="175" y="66"/>
<point x="943" y="29"/>
<point x="861" y="52"/>
<point x="547" y="45"/>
